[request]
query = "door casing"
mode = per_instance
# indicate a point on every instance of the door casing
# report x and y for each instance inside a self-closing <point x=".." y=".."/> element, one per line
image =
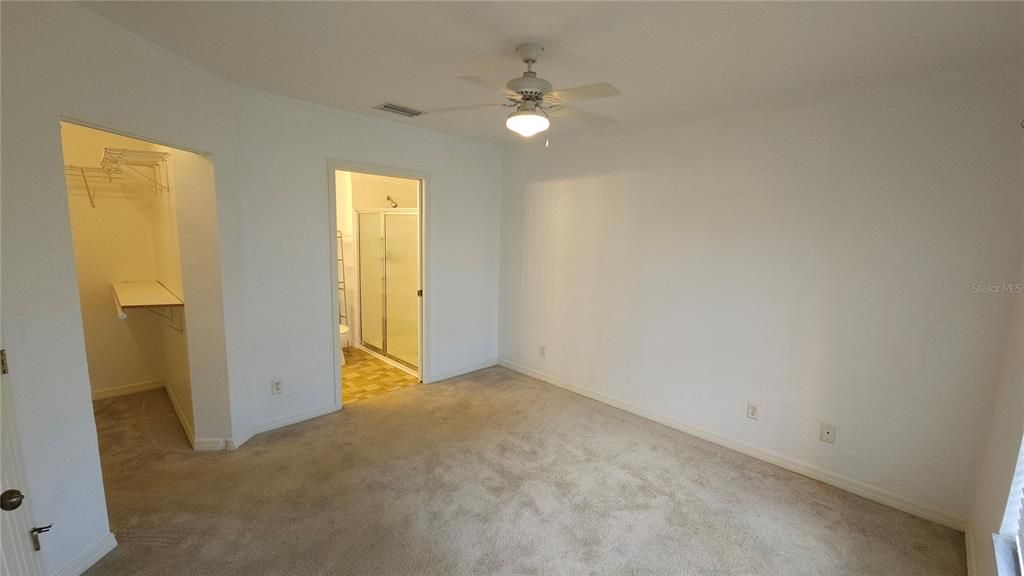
<point x="334" y="166"/>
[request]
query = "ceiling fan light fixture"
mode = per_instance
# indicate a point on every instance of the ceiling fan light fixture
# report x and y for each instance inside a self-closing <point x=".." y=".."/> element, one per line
<point x="527" y="121"/>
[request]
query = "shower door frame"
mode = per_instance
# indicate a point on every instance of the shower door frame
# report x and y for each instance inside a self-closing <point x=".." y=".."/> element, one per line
<point x="333" y="166"/>
<point x="382" y="212"/>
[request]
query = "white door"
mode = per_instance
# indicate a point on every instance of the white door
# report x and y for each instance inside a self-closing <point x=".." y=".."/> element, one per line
<point x="16" y="555"/>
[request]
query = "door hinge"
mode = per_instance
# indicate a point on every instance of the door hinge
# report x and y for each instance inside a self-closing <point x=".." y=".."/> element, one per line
<point x="3" y="361"/>
<point x="418" y="293"/>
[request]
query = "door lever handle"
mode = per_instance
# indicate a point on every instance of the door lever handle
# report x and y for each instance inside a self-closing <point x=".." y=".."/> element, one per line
<point x="35" y="532"/>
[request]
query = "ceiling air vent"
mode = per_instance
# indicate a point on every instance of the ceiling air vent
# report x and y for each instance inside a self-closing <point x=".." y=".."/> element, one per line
<point x="396" y="109"/>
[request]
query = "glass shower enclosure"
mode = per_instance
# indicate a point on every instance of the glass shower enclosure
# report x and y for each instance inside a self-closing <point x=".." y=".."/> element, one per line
<point x="389" y="270"/>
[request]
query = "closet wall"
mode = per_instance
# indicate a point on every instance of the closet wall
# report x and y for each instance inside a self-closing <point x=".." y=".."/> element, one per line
<point x="129" y="232"/>
<point x="114" y="242"/>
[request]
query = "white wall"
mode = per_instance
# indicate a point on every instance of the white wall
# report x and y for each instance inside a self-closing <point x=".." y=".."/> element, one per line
<point x="816" y="256"/>
<point x="1001" y="449"/>
<point x="270" y="159"/>
<point x="999" y="453"/>
<point x="205" y="383"/>
<point x="461" y="286"/>
<point x="167" y="247"/>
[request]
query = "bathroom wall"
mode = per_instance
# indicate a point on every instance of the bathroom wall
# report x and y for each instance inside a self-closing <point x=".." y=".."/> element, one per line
<point x="370" y="192"/>
<point x="343" y="206"/>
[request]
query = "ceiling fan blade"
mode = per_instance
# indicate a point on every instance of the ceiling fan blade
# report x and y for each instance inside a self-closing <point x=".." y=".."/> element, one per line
<point x="579" y="116"/>
<point x="482" y="83"/>
<point x="464" y="108"/>
<point x="588" y="92"/>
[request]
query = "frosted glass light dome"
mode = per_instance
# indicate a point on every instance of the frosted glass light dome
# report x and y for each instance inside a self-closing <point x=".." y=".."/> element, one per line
<point x="527" y="122"/>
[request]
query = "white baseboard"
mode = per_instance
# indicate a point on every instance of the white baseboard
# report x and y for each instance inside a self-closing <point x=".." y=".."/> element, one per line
<point x="857" y="487"/>
<point x="279" y="423"/>
<point x="211" y="444"/>
<point x="186" y="424"/>
<point x="90" y="556"/>
<point x="103" y="393"/>
<point x="461" y="371"/>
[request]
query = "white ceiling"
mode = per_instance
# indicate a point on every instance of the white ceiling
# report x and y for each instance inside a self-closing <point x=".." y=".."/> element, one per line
<point x="666" y="58"/>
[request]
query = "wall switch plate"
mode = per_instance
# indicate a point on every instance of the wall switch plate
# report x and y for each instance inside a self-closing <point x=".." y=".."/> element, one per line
<point x="828" y="433"/>
<point x="753" y="410"/>
<point x="276" y="387"/>
<point x="543" y="352"/>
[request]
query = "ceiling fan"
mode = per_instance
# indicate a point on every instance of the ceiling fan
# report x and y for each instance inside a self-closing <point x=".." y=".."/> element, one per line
<point x="534" y="100"/>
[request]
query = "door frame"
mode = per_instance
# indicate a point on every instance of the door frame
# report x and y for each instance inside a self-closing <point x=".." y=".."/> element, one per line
<point x="336" y="165"/>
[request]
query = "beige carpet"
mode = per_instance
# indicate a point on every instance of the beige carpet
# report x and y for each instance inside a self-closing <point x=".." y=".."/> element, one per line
<point x="492" y="473"/>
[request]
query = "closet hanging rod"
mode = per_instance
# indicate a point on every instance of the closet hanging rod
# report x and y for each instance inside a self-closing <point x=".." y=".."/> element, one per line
<point x="88" y="190"/>
<point x="85" y="172"/>
<point x="120" y="165"/>
<point x="74" y="169"/>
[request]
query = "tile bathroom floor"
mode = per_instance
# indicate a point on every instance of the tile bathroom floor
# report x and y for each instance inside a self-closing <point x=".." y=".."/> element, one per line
<point x="364" y="376"/>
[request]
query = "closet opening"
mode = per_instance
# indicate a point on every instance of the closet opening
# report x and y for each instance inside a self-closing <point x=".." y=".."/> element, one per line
<point x="377" y="257"/>
<point x="144" y="229"/>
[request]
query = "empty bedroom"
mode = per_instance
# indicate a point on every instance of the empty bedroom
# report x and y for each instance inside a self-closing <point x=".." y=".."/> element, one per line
<point x="500" y="288"/>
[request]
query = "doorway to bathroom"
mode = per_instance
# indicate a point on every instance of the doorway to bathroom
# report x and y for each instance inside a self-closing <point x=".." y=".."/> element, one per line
<point x="377" y="257"/>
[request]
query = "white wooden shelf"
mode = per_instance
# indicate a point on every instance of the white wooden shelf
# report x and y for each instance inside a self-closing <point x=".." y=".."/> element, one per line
<point x="144" y="295"/>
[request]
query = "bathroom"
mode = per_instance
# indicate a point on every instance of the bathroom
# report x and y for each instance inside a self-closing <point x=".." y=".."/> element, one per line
<point x="379" y="267"/>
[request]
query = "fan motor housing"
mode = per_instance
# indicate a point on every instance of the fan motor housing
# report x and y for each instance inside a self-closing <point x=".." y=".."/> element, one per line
<point x="529" y="86"/>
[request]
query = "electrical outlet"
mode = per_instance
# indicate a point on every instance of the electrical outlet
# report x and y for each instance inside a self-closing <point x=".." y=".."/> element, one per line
<point x="543" y="351"/>
<point x="276" y="387"/>
<point x="828" y="433"/>
<point x="753" y="411"/>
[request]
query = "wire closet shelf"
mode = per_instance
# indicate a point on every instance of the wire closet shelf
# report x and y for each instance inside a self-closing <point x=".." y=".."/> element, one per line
<point x="121" y="165"/>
